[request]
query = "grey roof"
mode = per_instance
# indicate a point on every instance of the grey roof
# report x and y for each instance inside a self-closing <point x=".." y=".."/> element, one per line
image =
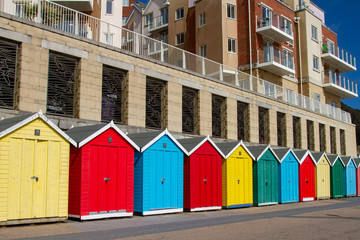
<point x="299" y="153"/>
<point x="257" y="150"/>
<point x="79" y="134"/>
<point x="317" y="156"/>
<point x="9" y="122"/>
<point x="281" y="152"/>
<point x="357" y="162"/>
<point x="227" y="147"/>
<point x="346" y="160"/>
<point x="141" y="139"/>
<point x="332" y="158"/>
<point x="190" y="143"/>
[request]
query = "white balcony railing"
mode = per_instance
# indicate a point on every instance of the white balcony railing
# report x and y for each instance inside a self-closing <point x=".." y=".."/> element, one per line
<point x="159" y="22"/>
<point x="277" y="21"/>
<point x="330" y="47"/>
<point x="342" y="82"/>
<point x="70" y="21"/>
<point x="283" y="57"/>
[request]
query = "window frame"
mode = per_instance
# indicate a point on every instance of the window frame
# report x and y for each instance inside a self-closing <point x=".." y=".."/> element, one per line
<point x="124" y="4"/>
<point x="232" y="45"/>
<point x="106" y="7"/>
<point x="202" y="19"/>
<point x="146" y="18"/>
<point x="231" y="9"/>
<point x="176" y="38"/>
<point x="177" y="13"/>
<point x="312" y="33"/>
<point x="316" y="67"/>
<point x="202" y="50"/>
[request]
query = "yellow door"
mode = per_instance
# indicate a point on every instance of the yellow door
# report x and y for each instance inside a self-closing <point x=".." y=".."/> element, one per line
<point x="323" y="179"/>
<point x="33" y="188"/>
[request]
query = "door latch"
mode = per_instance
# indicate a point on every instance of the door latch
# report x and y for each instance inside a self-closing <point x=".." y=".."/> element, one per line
<point x="307" y="181"/>
<point x="106" y="179"/>
<point x="266" y="182"/>
<point x="205" y="180"/>
<point x="238" y="181"/>
<point x="162" y="180"/>
<point x="35" y="178"/>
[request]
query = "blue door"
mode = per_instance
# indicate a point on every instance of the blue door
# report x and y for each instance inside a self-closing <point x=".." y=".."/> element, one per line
<point x="350" y="173"/>
<point x="289" y="180"/>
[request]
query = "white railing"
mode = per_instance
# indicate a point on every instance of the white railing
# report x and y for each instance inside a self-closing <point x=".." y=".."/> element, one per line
<point x="159" y="22"/>
<point x="342" y="82"/>
<point x="330" y="47"/>
<point x="276" y="21"/>
<point x="273" y="54"/>
<point x="74" y="22"/>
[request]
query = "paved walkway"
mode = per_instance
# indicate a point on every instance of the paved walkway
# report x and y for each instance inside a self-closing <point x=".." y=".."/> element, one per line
<point x="327" y="219"/>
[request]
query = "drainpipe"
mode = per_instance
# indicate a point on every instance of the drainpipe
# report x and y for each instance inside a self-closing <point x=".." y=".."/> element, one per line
<point x="250" y="50"/>
<point x="297" y="20"/>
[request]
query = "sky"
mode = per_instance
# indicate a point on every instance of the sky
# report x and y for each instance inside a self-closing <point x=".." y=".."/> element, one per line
<point x="341" y="16"/>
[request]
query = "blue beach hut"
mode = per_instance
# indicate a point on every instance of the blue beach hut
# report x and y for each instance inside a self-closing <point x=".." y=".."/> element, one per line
<point x="158" y="173"/>
<point x="288" y="175"/>
<point x="350" y="176"/>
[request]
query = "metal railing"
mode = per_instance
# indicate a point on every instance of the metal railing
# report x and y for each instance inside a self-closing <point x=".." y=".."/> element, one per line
<point x="276" y="21"/>
<point x="342" y="81"/>
<point x="74" y="22"/>
<point x="274" y="54"/>
<point x="159" y="22"/>
<point x="330" y="47"/>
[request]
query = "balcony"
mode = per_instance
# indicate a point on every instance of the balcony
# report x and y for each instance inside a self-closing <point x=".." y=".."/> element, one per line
<point x="275" y="27"/>
<point x="79" y="5"/>
<point x="340" y="86"/>
<point x="277" y="61"/>
<point x="159" y="23"/>
<point x="338" y="58"/>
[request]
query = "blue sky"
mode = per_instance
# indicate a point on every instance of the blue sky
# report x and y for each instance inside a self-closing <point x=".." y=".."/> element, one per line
<point x="341" y="16"/>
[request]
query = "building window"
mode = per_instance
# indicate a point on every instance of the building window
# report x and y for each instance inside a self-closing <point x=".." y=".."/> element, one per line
<point x="155" y="95"/>
<point x="109" y="38"/>
<point x="109" y="6"/>
<point x="124" y="21"/>
<point x="264" y="125"/>
<point x="61" y="87"/>
<point x="148" y="19"/>
<point x="322" y="138"/>
<point x="310" y="135"/>
<point x="202" y="18"/>
<point x="230" y="13"/>
<point x="125" y="3"/>
<point x="314" y="34"/>
<point x="286" y="26"/>
<point x="242" y="120"/>
<point x="112" y="85"/>
<point x="218" y="116"/>
<point x="281" y="129"/>
<point x="179" y="13"/>
<point x="316" y="63"/>
<point x="342" y="142"/>
<point x="189" y="110"/>
<point x="333" y="140"/>
<point x="180" y="38"/>
<point x="231" y="45"/>
<point x="164" y="37"/>
<point x="288" y="59"/>
<point x="164" y="16"/>
<point x="8" y="65"/>
<point x="296" y="132"/>
<point x="203" y="50"/>
<point x="334" y="105"/>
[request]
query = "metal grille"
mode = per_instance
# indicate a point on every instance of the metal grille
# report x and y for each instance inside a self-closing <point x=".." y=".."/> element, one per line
<point x="154" y="97"/>
<point x="61" y="85"/>
<point x="263" y="125"/>
<point x="333" y="140"/>
<point x="296" y="132"/>
<point x="310" y="135"/>
<point x="242" y="115"/>
<point x="322" y="138"/>
<point x="217" y="110"/>
<point x="8" y="65"/>
<point x="189" y="103"/>
<point x="111" y="106"/>
<point x="342" y="142"/>
<point x="281" y="129"/>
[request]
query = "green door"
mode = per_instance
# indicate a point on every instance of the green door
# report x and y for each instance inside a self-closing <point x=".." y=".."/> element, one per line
<point x="337" y="180"/>
<point x="267" y="180"/>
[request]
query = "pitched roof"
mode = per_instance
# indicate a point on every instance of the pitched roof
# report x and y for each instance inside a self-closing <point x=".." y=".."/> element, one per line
<point x="346" y="160"/>
<point x="83" y="135"/>
<point x="11" y="124"/>
<point x="357" y="162"/>
<point x="192" y="144"/>
<point x="333" y="158"/>
<point x="318" y="156"/>
<point x="282" y="153"/>
<point x="146" y="139"/>
<point x="260" y="149"/>
<point x="229" y="147"/>
<point x="302" y="154"/>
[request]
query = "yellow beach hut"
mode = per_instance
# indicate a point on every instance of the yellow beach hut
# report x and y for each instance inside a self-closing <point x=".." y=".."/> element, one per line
<point x="322" y="175"/>
<point x="237" y="174"/>
<point x="34" y="167"/>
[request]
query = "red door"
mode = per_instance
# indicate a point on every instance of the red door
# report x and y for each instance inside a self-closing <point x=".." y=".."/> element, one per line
<point x="307" y="180"/>
<point x="208" y="184"/>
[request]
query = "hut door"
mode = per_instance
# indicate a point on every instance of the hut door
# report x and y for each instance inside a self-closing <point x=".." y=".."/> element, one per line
<point x="208" y="180"/>
<point x="269" y="177"/>
<point x="288" y="190"/>
<point x="351" y="179"/>
<point x="238" y="181"/>
<point x="33" y="179"/>
<point x="308" y="178"/>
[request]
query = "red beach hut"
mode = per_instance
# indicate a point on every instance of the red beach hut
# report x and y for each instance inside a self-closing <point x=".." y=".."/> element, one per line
<point x="202" y="174"/>
<point x="306" y="175"/>
<point x="101" y="179"/>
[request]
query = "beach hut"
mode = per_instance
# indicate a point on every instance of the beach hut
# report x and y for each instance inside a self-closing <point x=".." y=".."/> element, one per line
<point x="158" y="173"/>
<point x="237" y="184"/>
<point x="288" y="175"/>
<point x="357" y="163"/>
<point x="350" y="176"/>
<point x="202" y="174"/>
<point x="34" y="166"/>
<point x="322" y="175"/>
<point x="265" y="175"/>
<point x="101" y="182"/>
<point x="337" y="176"/>
<point x="306" y="175"/>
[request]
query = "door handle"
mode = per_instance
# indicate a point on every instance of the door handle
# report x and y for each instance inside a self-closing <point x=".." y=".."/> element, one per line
<point x="205" y="180"/>
<point x="35" y="178"/>
<point x="162" y="180"/>
<point x="289" y="180"/>
<point x="307" y="181"/>
<point x="266" y="182"/>
<point x="238" y="181"/>
<point x="106" y="179"/>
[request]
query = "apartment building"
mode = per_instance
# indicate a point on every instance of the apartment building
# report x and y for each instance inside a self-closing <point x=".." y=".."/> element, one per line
<point x="127" y="7"/>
